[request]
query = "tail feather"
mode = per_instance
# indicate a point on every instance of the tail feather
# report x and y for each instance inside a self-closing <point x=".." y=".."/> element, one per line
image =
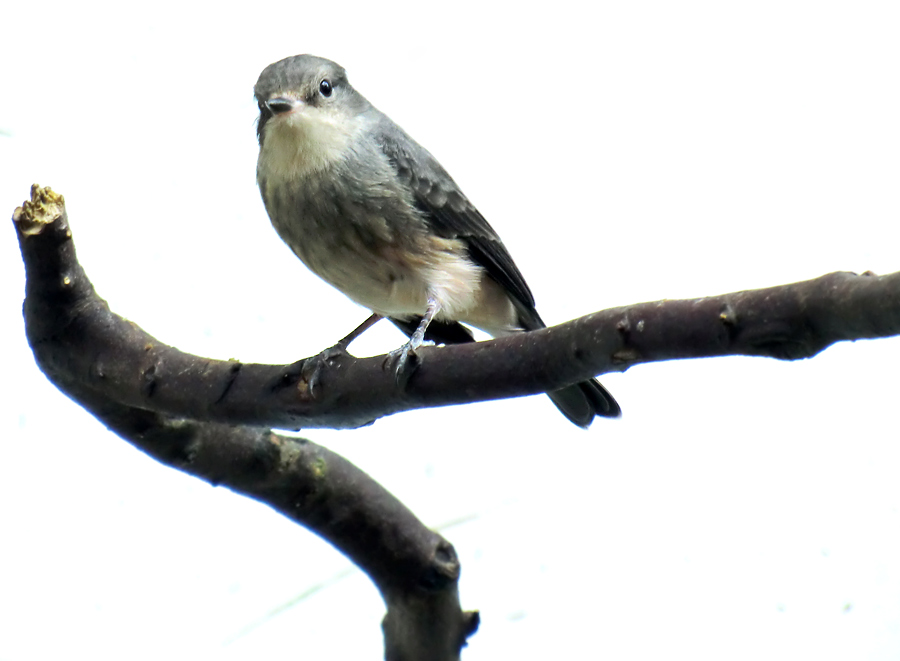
<point x="581" y="402"/>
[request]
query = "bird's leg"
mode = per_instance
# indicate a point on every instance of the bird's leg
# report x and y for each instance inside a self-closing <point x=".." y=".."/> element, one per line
<point x="356" y="332"/>
<point x="312" y="367"/>
<point x="404" y="360"/>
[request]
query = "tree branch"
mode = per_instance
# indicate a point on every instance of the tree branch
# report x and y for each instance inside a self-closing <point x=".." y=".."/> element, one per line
<point x="73" y="331"/>
<point x="416" y="570"/>
<point x="180" y="408"/>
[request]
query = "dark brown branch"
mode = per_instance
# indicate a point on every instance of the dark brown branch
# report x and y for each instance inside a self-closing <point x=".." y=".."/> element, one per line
<point x="73" y="332"/>
<point x="416" y="570"/>
<point x="145" y="390"/>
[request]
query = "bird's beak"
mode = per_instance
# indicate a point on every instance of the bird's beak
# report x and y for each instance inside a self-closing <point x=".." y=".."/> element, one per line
<point x="281" y="104"/>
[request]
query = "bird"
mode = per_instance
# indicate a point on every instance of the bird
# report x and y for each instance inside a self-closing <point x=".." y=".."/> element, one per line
<point x="374" y="214"/>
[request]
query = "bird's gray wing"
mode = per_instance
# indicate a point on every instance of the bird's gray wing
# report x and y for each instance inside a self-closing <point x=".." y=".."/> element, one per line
<point x="451" y="215"/>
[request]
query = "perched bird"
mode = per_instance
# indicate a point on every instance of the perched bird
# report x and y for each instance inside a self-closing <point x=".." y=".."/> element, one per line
<point x="374" y="214"/>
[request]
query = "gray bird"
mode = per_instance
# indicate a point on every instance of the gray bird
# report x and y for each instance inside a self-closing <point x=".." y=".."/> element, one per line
<point x="374" y="214"/>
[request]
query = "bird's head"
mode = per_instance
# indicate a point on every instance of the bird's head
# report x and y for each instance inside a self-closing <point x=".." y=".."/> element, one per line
<point x="306" y="97"/>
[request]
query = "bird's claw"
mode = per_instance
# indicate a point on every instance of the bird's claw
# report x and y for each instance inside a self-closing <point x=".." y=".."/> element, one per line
<point x="312" y="367"/>
<point x="403" y="362"/>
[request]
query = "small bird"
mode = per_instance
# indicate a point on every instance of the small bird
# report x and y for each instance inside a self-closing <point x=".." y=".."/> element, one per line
<point x="374" y="214"/>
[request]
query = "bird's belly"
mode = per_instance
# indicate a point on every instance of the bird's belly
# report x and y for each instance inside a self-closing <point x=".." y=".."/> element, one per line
<point x="388" y="286"/>
<point x="392" y="275"/>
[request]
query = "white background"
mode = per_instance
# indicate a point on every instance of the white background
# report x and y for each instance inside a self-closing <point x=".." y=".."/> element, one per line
<point x="741" y="509"/>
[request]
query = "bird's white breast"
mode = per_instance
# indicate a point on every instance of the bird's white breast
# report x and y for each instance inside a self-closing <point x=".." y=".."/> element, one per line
<point x="396" y="264"/>
<point x="303" y="141"/>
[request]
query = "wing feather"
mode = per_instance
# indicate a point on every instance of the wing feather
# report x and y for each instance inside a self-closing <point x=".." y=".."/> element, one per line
<point x="450" y="214"/>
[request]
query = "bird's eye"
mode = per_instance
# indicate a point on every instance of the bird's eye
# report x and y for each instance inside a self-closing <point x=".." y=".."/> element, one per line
<point x="325" y="88"/>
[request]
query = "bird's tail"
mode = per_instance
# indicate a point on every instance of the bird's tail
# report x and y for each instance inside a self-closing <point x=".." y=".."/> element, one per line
<point x="581" y="402"/>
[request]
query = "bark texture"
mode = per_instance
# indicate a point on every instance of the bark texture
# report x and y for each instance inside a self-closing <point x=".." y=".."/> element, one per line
<point x="210" y="417"/>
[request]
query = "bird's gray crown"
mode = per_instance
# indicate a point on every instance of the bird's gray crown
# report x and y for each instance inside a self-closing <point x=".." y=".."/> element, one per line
<point x="300" y="74"/>
<point x="312" y="80"/>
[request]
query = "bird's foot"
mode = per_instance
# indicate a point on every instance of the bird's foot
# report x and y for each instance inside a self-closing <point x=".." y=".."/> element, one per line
<point x="312" y="367"/>
<point x="403" y="362"/>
